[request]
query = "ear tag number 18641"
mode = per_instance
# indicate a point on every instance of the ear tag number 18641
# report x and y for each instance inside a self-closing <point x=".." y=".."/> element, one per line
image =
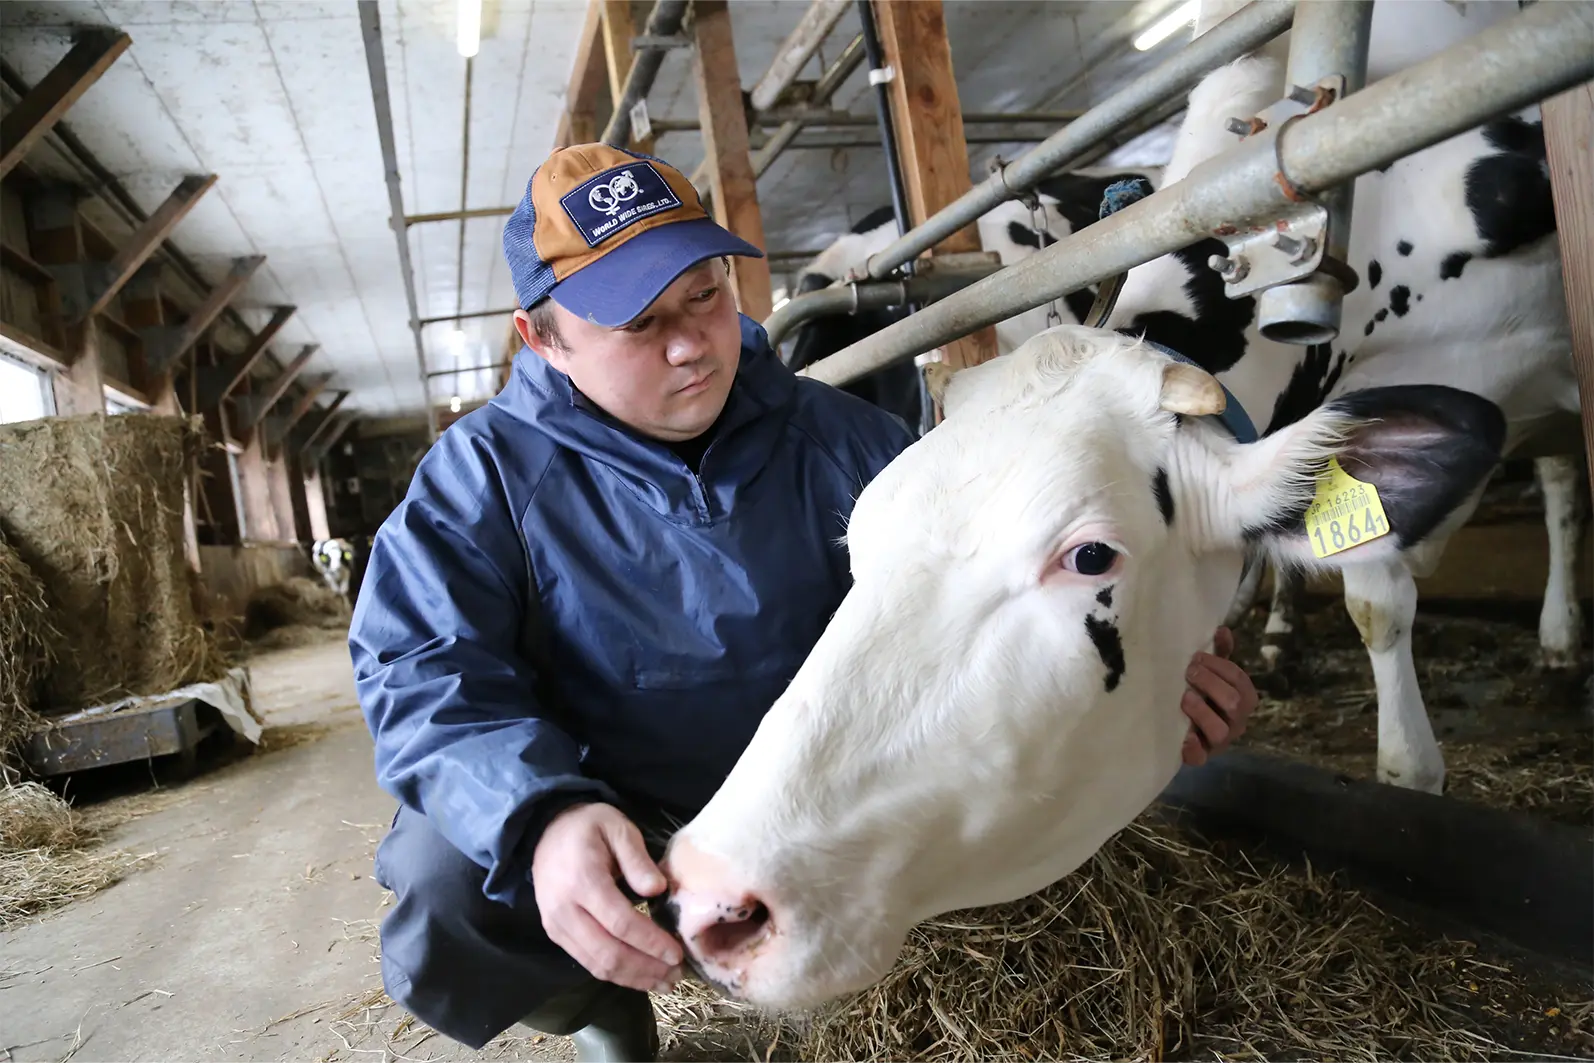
<point x="1345" y="512"/>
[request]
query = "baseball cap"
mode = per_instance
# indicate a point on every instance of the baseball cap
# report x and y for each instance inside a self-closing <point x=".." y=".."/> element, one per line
<point x="604" y="230"/>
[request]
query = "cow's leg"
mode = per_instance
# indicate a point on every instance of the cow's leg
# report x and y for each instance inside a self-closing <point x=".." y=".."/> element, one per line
<point x="1278" y="637"/>
<point x="1382" y="601"/>
<point x="1245" y="594"/>
<point x="1561" y="620"/>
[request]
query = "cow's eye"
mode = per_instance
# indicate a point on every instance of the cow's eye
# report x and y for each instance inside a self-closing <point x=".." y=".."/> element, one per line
<point x="1090" y="559"/>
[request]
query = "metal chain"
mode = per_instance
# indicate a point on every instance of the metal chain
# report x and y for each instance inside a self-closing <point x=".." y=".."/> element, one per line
<point x="1037" y="223"/>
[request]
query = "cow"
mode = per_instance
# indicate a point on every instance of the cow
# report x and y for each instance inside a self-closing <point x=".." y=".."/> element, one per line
<point x="1066" y="203"/>
<point x="1459" y="283"/>
<point x="334" y="560"/>
<point x="998" y="693"/>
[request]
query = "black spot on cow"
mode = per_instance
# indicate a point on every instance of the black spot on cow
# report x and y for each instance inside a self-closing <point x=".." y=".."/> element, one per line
<point x="1104" y="633"/>
<point x="1159" y="487"/>
<point x="1508" y="193"/>
<point x="1024" y="236"/>
<point x="1400" y="300"/>
<point x="1367" y="330"/>
<point x="874" y="219"/>
<point x="895" y="388"/>
<point x="1404" y="247"/>
<point x="1375" y="273"/>
<point x="1079" y="196"/>
<point x="1104" y="596"/>
<point x="1309" y="384"/>
<point x="1419" y="297"/>
<point x="1383" y="312"/>
<point x="1215" y="340"/>
<point x="1453" y="264"/>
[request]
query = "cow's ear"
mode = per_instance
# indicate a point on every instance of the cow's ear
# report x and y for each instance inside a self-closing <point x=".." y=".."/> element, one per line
<point x="1403" y="459"/>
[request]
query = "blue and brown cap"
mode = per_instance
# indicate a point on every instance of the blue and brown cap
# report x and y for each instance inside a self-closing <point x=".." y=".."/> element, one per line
<point x="604" y="230"/>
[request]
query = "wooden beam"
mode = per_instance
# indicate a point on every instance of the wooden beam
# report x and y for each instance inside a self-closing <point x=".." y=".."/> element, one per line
<point x="38" y="112"/>
<point x="724" y="121"/>
<point x="148" y="237"/>
<point x="313" y="453"/>
<point x="31" y="349"/>
<point x="619" y="28"/>
<point x="55" y="236"/>
<point x="588" y="82"/>
<point x="323" y="420"/>
<point x="254" y="411"/>
<point x="146" y="315"/>
<point x="229" y="375"/>
<point x="166" y="346"/>
<point x="277" y="428"/>
<point x="1569" y="144"/>
<point x="929" y="128"/>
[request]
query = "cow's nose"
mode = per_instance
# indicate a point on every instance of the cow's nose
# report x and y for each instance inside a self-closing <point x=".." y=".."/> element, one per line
<point x="720" y="919"/>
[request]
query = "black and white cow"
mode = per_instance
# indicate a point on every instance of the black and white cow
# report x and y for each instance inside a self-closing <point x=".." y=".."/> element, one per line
<point x="1460" y="284"/>
<point x="334" y="560"/>
<point x="1069" y="202"/>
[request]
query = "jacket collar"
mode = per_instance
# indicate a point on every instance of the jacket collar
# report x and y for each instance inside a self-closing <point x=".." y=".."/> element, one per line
<point x="744" y="437"/>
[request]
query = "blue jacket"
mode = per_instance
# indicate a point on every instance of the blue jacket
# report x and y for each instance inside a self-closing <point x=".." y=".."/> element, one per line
<point x="561" y="608"/>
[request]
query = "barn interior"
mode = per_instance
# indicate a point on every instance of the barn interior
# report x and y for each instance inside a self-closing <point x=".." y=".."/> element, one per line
<point x="252" y="270"/>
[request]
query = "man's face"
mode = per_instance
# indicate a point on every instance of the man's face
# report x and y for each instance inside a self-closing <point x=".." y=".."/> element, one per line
<point x="668" y="372"/>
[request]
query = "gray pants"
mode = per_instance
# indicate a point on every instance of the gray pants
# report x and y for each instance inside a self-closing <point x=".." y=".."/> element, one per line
<point x="467" y="966"/>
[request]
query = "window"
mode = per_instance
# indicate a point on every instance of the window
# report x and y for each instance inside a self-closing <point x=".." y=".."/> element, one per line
<point x="24" y="392"/>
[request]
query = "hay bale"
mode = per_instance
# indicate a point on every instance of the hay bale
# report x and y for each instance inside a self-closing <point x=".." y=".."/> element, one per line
<point x="1159" y="947"/>
<point x="93" y="505"/>
<point x="295" y="602"/>
<point x="25" y="653"/>
<point x="46" y="857"/>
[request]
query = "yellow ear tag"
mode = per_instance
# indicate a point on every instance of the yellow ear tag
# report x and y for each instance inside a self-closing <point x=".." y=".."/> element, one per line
<point x="1345" y="512"/>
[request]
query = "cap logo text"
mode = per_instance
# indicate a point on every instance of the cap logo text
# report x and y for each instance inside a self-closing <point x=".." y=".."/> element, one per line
<point x="615" y="200"/>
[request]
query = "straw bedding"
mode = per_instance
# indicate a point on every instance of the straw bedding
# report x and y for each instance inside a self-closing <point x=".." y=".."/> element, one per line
<point x="93" y="505"/>
<point x="1162" y="947"/>
<point x="25" y="653"/>
<point x="295" y="612"/>
<point x="48" y="855"/>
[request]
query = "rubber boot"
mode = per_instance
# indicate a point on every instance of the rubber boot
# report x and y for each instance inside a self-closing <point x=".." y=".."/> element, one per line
<point x="607" y="1023"/>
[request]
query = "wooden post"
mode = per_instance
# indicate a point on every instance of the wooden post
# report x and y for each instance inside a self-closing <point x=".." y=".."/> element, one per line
<point x="724" y="122"/>
<point x="55" y="238"/>
<point x="143" y="312"/>
<point x="929" y="129"/>
<point x="37" y="112"/>
<point x="618" y="30"/>
<point x="1569" y="143"/>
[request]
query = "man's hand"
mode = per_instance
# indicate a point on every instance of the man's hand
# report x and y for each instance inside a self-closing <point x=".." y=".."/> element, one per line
<point x="573" y="872"/>
<point x="1219" y="701"/>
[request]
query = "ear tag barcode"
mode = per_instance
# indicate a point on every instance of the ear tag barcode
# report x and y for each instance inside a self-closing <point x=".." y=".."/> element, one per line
<point x="1345" y="512"/>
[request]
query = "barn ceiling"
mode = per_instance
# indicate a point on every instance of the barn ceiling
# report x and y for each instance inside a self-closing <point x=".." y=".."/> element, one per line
<point x="274" y="97"/>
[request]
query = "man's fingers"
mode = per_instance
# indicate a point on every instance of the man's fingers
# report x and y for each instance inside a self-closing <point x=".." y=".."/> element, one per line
<point x="615" y="914"/>
<point x="1219" y="691"/>
<point x="1224" y="669"/>
<point x="640" y="872"/>
<point x="1213" y="729"/>
<point x="1195" y="754"/>
<point x="608" y="958"/>
<point x="1223" y="642"/>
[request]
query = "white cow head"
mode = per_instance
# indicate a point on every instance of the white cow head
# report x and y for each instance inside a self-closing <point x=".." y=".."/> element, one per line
<point x="999" y="692"/>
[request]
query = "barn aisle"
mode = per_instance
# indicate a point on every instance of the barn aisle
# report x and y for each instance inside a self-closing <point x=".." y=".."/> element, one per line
<point x="250" y="933"/>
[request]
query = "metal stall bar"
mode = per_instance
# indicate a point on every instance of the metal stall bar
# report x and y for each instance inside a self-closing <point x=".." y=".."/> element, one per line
<point x="1537" y="53"/>
<point x="663" y="21"/>
<point x="1251" y="26"/>
<point x="376" y="66"/>
<point x="1328" y="55"/>
<point x="935" y="281"/>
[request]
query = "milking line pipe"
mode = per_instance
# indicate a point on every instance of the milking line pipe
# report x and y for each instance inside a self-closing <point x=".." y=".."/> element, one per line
<point x="1539" y="52"/>
<point x="1248" y="28"/>
<point x="933" y="283"/>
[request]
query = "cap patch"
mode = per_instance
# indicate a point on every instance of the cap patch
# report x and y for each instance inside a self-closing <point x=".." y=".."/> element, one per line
<point x="617" y="199"/>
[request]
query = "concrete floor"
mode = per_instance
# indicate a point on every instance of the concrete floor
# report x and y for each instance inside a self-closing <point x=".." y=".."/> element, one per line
<point x="250" y="934"/>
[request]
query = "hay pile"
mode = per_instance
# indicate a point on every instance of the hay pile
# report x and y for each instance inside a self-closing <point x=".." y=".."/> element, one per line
<point x="1158" y="948"/>
<point x="25" y="654"/>
<point x="295" y="612"/>
<point x="46" y="854"/>
<point x="93" y="505"/>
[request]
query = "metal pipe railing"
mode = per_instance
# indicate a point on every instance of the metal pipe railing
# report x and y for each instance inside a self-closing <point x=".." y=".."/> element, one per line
<point x="936" y="283"/>
<point x="1246" y="29"/>
<point x="663" y="21"/>
<point x="1539" y="52"/>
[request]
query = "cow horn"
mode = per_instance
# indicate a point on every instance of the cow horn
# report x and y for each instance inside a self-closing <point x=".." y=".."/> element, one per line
<point x="1191" y="390"/>
<point x="937" y="375"/>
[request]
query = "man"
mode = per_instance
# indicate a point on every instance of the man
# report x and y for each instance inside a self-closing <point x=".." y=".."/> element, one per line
<point x="593" y="590"/>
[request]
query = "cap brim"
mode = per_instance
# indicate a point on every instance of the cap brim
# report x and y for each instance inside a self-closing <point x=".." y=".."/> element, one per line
<point x="620" y="285"/>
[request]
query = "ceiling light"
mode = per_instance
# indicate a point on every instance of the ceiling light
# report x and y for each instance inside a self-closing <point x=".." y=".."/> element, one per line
<point x="453" y="404"/>
<point x="1162" y="29"/>
<point x="470" y="27"/>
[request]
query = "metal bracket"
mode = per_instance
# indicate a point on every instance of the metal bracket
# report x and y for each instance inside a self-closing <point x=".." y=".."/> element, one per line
<point x="956" y="261"/>
<point x="882" y="75"/>
<point x="1286" y="251"/>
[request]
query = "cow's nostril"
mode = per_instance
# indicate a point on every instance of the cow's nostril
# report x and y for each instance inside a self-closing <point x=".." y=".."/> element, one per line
<point x="735" y="930"/>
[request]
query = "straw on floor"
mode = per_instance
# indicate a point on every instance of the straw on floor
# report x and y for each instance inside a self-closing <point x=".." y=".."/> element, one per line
<point x="48" y="857"/>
